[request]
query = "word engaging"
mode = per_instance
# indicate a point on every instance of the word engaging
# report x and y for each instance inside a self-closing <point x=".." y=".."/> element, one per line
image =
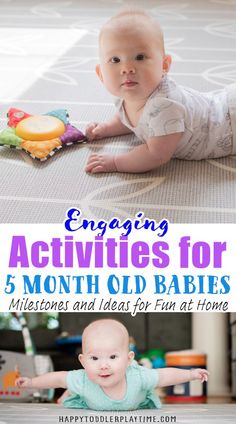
<point x="73" y="223"/>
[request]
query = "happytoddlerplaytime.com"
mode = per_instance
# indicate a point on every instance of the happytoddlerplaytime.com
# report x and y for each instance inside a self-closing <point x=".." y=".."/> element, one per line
<point x="137" y="265"/>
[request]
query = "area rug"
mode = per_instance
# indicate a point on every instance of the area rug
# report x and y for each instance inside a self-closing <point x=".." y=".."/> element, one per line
<point x="17" y="413"/>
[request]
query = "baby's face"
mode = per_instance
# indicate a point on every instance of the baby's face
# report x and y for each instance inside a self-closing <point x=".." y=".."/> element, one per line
<point x="105" y="359"/>
<point x="132" y="61"/>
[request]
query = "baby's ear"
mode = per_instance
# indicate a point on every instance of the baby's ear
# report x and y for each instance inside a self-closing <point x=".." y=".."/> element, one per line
<point x="130" y="356"/>
<point x="167" y="63"/>
<point x="81" y="359"/>
<point x="99" y="72"/>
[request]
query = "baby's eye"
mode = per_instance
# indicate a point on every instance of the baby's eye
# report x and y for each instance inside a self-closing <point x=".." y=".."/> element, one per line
<point x="113" y="356"/>
<point x="140" y="56"/>
<point x="94" y="358"/>
<point x="115" y="59"/>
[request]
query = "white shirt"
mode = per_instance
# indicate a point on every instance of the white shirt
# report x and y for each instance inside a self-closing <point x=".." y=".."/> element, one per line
<point x="203" y="118"/>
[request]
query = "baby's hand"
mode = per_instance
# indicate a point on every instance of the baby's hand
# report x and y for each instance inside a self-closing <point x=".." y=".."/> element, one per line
<point x="199" y="374"/>
<point x="100" y="163"/>
<point x="23" y="382"/>
<point x="95" y="131"/>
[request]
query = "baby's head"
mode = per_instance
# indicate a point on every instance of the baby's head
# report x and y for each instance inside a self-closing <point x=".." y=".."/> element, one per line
<point x="133" y="21"/>
<point x="105" y="352"/>
<point x="131" y="46"/>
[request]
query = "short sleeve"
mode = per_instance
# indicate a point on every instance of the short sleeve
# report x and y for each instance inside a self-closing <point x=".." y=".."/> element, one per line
<point x="149" y="378"/>
<point x="75" y="381"/>
<point x="165" y="116"/>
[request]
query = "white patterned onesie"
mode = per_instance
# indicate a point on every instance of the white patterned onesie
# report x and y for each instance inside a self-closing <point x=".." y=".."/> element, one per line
<point x="207" y="120"/>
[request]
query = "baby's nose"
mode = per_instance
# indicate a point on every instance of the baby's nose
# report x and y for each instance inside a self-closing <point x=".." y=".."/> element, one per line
<point x="127" y="68"/>
<point x="104" y="365"/>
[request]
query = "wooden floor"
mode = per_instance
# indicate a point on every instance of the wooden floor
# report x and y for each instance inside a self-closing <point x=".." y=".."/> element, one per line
<point x="19" y="413"/>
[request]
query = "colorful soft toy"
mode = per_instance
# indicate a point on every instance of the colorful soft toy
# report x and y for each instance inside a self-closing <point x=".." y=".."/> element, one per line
<point x="40" y="135"/>
<point x="153" y="358"/>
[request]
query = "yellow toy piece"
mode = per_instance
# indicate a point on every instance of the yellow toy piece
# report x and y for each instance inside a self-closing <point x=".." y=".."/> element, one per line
<point x="41" y="149"/>
<point x="40" y="127"/>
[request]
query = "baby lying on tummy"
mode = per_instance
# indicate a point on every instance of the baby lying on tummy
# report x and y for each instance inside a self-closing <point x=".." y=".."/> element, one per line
<point x="111" y="379"/>
<point x="170" y="120"/>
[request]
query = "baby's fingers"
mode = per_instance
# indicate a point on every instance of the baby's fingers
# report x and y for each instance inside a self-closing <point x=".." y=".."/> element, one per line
<point x="89" y="132"/>
<point x="95" y="164"/>
<point x="97" y="169"/>
<point x="92" y="158"/>
<point x="19" y="381"/>
<point x="93" y="161"/>
<point x="204" y="376"/>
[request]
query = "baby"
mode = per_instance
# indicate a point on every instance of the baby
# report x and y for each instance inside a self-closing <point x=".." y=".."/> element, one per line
<point x="110" y="380"/>
<point x="170" y="120"/>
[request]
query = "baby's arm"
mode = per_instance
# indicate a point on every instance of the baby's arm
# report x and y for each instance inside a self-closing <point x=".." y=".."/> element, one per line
<point x="172" y="376"/>
<point x="112" y="128"/>
<point x="156" y="152"/>
<point x="52" y="380"/>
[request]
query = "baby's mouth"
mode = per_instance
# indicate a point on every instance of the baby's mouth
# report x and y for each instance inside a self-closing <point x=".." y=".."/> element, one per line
<point x="129" y="83"/>
<point x="104" y="375"/>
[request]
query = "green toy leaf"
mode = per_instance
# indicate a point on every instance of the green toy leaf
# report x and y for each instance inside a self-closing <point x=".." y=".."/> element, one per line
<point x="9" y="137"/>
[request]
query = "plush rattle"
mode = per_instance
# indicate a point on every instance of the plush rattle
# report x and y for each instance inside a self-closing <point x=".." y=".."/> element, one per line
<point x="41" y="136"/>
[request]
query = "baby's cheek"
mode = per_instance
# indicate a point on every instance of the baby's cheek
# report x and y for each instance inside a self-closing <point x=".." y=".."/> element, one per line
<point x="91" y="373"/>
<point x="121" y="368"/>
